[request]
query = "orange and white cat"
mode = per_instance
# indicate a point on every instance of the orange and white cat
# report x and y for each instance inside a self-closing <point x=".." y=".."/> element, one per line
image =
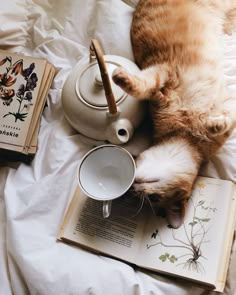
<point x="177" y="45"/>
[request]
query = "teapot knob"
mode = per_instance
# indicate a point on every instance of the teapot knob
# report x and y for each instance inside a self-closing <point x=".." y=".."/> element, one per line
<point x="98" y="80"/>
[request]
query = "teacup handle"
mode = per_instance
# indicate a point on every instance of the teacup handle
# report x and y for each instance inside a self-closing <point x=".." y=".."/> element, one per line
<point x="106" y="208"/>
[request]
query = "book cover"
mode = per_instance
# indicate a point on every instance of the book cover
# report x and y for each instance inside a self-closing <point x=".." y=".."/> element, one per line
<point x="198" y="251"/>
<point x="24" y="82"/>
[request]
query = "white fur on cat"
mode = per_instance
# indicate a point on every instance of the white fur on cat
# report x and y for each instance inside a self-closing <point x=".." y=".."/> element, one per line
<point x="159" y="165"/>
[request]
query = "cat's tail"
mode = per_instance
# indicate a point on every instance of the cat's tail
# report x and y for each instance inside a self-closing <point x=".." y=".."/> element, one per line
<point x="144" y="84"/>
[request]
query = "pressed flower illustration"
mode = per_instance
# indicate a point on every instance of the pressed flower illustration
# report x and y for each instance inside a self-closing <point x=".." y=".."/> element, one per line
<point x="23" y="94"/>
<point x="192" y="243"/>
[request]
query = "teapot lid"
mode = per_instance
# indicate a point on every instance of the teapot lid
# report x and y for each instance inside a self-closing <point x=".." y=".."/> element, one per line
<point x="89" y="85"/>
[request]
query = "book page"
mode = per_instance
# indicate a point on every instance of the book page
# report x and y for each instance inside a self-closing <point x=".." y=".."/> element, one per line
<point x="195" y="249"/>
<point x="20" y="81"/>
<point x="117" y="235"/>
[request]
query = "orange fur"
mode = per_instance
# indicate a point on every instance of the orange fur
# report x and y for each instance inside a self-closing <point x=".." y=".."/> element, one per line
<point x="177" y="45"/>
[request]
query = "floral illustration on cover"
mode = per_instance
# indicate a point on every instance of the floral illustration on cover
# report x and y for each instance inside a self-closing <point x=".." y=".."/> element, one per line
<point x="195" y="235"/>
<point x="23" y="93"/>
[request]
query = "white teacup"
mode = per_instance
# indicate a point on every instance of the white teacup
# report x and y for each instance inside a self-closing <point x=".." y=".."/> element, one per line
<point x="106" y="173"/>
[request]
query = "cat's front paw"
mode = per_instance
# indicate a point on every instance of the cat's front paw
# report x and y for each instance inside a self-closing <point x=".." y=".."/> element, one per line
<point x="230" y="23"/>
<point x="218" y="125"/>
<point x="121" y="77"/>
<point x="228" y="28"/>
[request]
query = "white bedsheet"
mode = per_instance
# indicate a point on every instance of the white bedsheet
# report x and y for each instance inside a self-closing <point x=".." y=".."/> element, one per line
<point x="34" y="197"/>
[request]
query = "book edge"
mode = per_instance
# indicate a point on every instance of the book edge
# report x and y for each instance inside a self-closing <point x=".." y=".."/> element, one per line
<point x="222" y="276"/>
<point x="68" y="213"/>
<point x="144" y="268"/>
<point x="41" y="100"/>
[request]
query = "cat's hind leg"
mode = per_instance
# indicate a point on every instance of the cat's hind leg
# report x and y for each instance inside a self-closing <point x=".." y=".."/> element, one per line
<point x="144" y="83"/>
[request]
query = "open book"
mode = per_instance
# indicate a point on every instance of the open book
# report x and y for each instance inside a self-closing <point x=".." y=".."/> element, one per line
<point x="199" y="250"/>
<point x="24" y="84"/>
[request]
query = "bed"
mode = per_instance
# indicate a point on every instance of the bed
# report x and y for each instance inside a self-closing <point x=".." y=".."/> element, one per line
<point x="34" y="197"/>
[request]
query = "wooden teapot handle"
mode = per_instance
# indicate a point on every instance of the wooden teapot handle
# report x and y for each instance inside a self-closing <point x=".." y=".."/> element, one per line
<point x="105" y="77"/>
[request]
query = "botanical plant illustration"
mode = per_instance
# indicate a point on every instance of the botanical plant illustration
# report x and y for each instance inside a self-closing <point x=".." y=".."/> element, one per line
<point x="12" y="71"/>
<point x="195" y="235"/>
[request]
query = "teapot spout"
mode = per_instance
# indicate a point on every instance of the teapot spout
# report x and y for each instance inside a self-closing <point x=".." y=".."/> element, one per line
<point x="120" y="131"/>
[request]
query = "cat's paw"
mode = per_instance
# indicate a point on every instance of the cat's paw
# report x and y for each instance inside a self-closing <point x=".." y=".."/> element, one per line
<point x="230" y="23"/>
<point x="121" y="77"/>
<point x="229" y="28"/>
<point x="218" y="125"/>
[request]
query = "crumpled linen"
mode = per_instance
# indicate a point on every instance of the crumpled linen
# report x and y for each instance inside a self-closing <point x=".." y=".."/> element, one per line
<point x="34" y="197"/>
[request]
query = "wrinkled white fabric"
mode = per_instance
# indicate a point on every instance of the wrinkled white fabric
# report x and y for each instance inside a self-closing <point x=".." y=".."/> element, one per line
<point x="34" y="197"/>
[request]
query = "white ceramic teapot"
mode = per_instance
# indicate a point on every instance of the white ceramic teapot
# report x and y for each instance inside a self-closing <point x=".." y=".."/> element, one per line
<point x="94" y="105"/>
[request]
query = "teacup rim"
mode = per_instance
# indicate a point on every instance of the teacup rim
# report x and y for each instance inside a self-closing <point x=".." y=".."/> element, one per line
<point x="93" y="150"/>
